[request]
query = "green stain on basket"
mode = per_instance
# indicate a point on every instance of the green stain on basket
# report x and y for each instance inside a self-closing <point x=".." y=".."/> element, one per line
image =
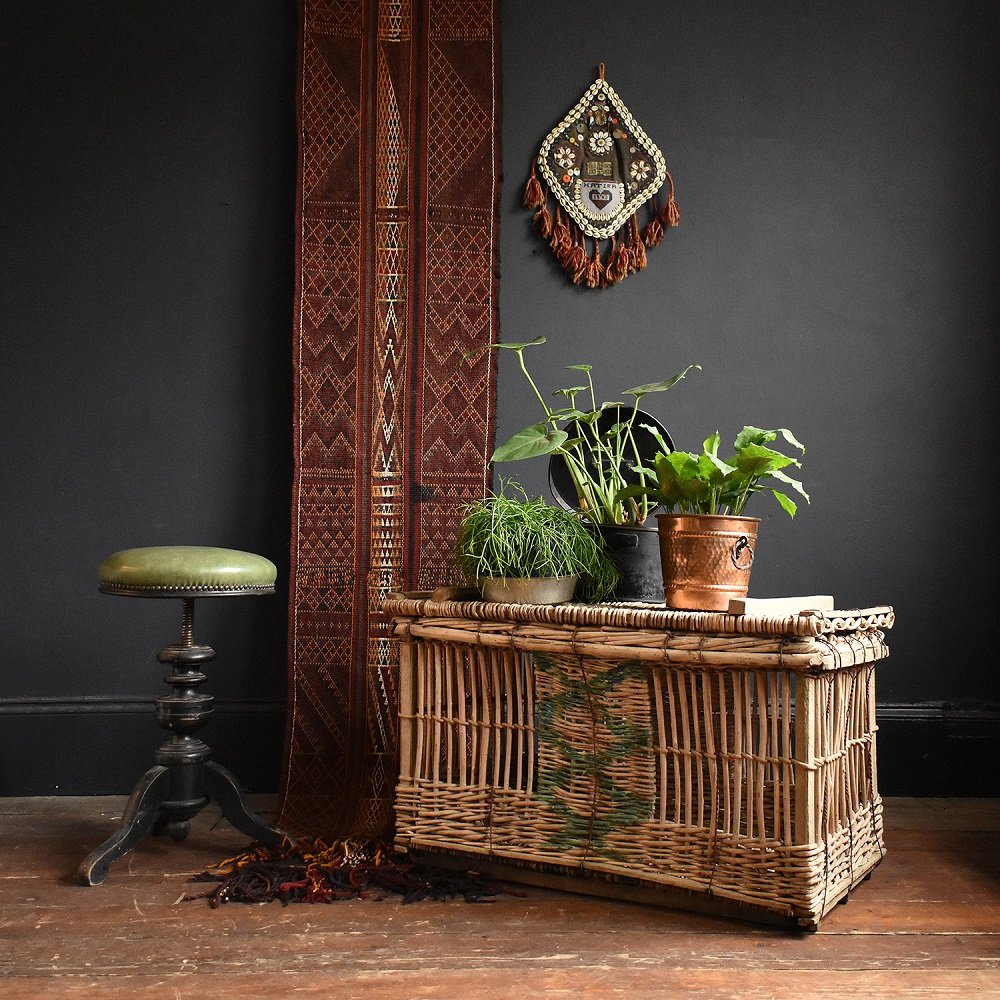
<point x="589" y="764"/>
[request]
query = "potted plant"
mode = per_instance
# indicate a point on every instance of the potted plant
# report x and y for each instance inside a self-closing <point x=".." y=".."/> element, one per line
<point x="522" y="550"/>
<point x="706" y="542"/>
<point x="600" y="449"/>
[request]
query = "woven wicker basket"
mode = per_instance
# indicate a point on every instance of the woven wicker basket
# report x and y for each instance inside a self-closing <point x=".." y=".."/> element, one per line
<point x="698" y="759"/>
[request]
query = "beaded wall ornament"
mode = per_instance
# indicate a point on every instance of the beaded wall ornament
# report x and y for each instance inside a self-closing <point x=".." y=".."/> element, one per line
<point x="601" y="167"/>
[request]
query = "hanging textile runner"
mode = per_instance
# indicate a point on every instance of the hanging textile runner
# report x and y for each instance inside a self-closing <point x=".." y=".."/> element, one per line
<point x="396" y="283"/>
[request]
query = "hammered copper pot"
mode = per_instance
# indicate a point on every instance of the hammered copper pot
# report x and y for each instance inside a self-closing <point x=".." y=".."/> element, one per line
<point x="706" y="559"/>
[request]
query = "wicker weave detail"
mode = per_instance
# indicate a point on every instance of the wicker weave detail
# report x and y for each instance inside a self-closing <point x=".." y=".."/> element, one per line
<point x="744" y="769"/>
<point x="644" y="616"/>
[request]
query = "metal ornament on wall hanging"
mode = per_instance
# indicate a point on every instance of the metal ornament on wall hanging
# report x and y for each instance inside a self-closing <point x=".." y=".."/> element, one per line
<point x="601" y="168"/>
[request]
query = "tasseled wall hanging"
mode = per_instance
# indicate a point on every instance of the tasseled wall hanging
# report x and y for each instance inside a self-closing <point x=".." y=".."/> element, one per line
<point x="601" y="167"/>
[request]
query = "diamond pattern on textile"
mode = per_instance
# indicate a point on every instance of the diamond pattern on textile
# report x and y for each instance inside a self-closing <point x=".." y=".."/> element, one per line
<point x="394" y="20"/>
<point x="341" y="16"/>
<point x="457" y="123"/>
<point x="456" y="270"/>
<point x="330" y="263"/>
<point x="438" y="539"/>
<point x="468" y="21"/>
<point x="382" y="680"/>
<point x="389" y="362"/>
<point x="390" y="151"/>
<point x="330" y="120"/>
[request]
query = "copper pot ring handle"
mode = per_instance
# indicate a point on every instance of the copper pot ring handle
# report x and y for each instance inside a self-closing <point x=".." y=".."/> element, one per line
<point x="742" y="543"/>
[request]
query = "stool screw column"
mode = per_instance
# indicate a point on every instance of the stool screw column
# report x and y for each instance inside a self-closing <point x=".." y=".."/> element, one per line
<point x="183" y="712"/>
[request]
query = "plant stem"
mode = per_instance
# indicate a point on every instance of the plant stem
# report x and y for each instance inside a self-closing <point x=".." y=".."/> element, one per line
<point x="531" y="382"/>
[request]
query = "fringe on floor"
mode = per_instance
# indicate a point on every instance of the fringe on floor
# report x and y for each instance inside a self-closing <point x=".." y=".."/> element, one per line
<point x="312" y="871"/>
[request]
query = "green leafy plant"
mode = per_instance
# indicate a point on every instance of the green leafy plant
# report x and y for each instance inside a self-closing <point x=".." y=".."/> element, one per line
<point x="519" y="537"/>
<point x="688" y="483"/>
<point x="597" y="457"/>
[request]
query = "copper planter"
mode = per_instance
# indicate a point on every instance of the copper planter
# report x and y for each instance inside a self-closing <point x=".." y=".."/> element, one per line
<point x="706" y="559"/>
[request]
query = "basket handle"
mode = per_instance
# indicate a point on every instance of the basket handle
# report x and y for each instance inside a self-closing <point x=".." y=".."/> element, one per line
<point x="741" y="545"/>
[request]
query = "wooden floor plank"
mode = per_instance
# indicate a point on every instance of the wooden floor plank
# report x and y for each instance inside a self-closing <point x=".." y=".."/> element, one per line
<point x="927" y="924"/>
<point x="595" y="984"/>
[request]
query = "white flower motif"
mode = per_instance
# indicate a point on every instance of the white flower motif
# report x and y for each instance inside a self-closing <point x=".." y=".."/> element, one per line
<point x="564" y="156"/>
<point x="600" y="142"/>
<point x="640" y="170"/>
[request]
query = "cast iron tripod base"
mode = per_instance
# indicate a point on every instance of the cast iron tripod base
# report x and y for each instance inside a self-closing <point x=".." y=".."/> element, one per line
<point x="149" y="811"/>
<point x="184" y="780"/>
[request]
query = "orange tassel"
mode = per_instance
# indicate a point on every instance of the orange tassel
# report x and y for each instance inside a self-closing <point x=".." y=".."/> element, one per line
<point x="653" y="235"/>
<point x="619" y="262"/>
<point x="534" y="196"/>
<point x="639" y="251"/>
<point x="576" y="260"/>
<point x="543" y="222"/>
<point x="595" y="274"/>
<point x="671" y="214"/>
<point x="560" y="241"/>
<point x="611" y="273"/>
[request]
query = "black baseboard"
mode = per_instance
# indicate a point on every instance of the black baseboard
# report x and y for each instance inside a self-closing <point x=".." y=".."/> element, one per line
<point x="100" y="746"/>
<point x="95" y="746"/>
<point x="938" y="751"/>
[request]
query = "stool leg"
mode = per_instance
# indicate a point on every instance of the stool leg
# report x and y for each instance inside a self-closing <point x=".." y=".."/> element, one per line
<point x="137" y="821"/>
<point x="171" y="794"/>
<point x="222" y="787"/>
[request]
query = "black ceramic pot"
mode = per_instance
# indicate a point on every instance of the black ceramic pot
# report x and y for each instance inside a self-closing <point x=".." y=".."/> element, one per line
<point x="637" y="553"/>
<point x="635" y="549"/>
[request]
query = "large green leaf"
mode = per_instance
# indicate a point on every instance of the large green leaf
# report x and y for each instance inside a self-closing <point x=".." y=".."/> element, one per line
<point x="756" y="460"/>
<point x="756" y="435"/>
<point x="790" y="438"/>
<point x="635" y="491"/>
<point x="613" y="431"/>
<point x="645" y="390"/>
<point x="679" y="478"/>
<point x="787" y="504"/>
<point x="536" y="440"/>
<point x="753" y="435"/>
<point x="661" y="441"/>
<point x="668" y="477"/>
<point x="712" y="469"/>
<point x="520" y="347"/>
<point x="794" y="483"/>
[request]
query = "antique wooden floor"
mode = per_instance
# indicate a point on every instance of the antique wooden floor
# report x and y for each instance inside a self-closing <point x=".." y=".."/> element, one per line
<point x="927" y="924"/>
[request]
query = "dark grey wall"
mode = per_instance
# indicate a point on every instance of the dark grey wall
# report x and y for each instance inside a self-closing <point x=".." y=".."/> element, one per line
<point x="834" y="272"/>
<point x="148" y="179"/>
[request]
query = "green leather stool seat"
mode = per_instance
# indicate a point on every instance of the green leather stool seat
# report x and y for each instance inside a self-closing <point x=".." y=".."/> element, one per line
<point x="186" y="571"/>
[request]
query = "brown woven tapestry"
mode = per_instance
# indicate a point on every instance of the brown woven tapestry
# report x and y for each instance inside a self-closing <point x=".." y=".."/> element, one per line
<point x="396" y="282"/>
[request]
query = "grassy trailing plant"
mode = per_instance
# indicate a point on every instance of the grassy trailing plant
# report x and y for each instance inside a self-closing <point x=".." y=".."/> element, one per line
<point x="520" y="537"/>
<point x="688" y="483"/>
<point x="597" y="458"/>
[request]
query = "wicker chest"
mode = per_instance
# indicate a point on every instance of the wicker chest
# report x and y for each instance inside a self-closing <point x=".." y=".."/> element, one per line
<point x="701" y="760"/>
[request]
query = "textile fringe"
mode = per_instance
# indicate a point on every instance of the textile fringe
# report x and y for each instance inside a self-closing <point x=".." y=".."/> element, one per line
<point x="627" y="250"/>
<point x="312" y="871"/>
